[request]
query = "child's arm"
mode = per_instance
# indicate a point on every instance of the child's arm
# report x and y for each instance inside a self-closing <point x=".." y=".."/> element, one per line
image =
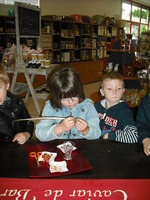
<point x="65" y="125"/>
<point x="126" y="131"/>
<point x="27" y="126"/>
<point x="128" y="135"/>
<point x="82" y="126"/>
<point x="90" y="121"/>
<point x="47" y="130"/>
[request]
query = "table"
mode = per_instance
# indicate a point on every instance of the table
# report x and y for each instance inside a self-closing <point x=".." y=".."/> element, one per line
<point x="120" y="171"/>
<point x="110" y="160"/>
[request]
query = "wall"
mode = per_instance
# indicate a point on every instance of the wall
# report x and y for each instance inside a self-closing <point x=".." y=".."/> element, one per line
<point x="144" y="2"/>
<point x="4" y="9"/>
<point x="109" y="8"/>
<point x="82" y="7"/>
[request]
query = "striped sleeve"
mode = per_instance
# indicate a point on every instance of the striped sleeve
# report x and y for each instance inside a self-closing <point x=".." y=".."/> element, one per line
<point x="128" y="135"/>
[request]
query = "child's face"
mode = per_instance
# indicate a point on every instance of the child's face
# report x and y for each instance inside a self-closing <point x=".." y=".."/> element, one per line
<point x="112" y="90"/>
<point x="3" y="91"/>
<point x="70" y="102"/>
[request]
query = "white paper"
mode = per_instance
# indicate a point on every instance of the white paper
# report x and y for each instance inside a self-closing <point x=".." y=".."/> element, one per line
<point x="58" y="166"/>
<point x="51" y="154"/>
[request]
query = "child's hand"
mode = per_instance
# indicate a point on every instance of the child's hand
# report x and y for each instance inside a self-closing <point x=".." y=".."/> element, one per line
<point x="65" y="125"/>
<point x="82" y="126"/>
<point x="105" y="137"/>
<point x="146" y="146"/>
<point x="68" y="123"/>
<point x="21" y="138"/>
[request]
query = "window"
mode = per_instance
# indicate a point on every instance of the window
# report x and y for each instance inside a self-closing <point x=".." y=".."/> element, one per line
<point x="144" y="17"/>
<point x="126" y="11"/>
<point x="127" y="28"/>
<point x="137" y="17"/>
<point x="134" y="31"/>
<point x="135" y="14"/>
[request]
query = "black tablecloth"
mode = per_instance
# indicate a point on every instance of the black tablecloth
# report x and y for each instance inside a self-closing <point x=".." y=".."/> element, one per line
<point x="110" y="160"/>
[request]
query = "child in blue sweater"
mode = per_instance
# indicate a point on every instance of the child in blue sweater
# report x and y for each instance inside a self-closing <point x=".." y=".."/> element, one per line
<point x="67" y="101"/>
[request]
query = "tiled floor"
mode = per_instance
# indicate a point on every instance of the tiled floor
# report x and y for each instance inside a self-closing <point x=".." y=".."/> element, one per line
<point x="88" y="89"/>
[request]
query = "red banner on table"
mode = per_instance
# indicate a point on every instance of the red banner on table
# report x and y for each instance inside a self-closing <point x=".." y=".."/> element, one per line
<point x="90" y="189"/>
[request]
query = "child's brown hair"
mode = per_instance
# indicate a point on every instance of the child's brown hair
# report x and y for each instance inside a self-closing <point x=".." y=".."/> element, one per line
<point x="65" y="83"/>
<point x="3" y="75"/>
<point x="112" y="75"/>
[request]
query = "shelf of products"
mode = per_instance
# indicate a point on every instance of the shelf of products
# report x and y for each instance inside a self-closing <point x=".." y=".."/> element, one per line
<point x="145" y="46"/>
<point x="66" y="40"/>
<point x="105" y="34"/>
<point x="78" y="41"/>
<point x="77" y="34"/>
<point x="8" y="35"/>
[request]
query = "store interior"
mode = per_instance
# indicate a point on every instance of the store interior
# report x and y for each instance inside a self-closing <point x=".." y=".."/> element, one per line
<point x="88" y="36"/>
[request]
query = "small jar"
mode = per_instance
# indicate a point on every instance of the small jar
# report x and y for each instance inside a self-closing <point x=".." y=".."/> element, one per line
<point x="47" y="63"/>
<point x="40" y="56"/>
<point x="34" y="57"/>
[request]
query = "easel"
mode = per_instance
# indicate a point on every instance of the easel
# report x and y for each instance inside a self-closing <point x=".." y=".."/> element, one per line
<point x="21" y="68"/>
<point x="20" y="64"/>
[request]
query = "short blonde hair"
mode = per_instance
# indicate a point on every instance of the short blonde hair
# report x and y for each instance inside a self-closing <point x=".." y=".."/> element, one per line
<point x="3" y="75"/>
<point x="112" y="75"/>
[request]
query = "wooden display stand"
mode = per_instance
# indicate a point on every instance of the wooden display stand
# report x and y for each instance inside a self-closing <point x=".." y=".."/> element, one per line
<point x="22" y="69"/>
<point x="27" y="24"/>
<point x="18" y="88"/>
<point x="20" y="65"/>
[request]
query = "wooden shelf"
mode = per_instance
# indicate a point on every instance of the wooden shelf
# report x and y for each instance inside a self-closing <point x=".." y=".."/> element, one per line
<point x="116" y="50"/>
<point x="33" y="71"/>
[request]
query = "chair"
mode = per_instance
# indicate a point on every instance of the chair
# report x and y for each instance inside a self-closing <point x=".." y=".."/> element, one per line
<point x="96" y="97"/>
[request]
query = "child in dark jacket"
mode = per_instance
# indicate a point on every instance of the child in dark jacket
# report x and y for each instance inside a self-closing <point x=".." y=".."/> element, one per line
<point x="116" y="118"/>
<point x="143" y="116"/>
<point x="143" y="123"/>
<point x="12" y="108"/>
